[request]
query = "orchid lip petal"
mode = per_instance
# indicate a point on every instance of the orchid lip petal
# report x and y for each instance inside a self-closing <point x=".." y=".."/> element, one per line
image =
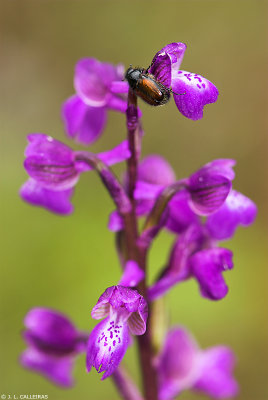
<point x="58" y="370"/>
<point x="107" y="345"/>
<point x="83" y="123"/>
<point x="207" y="267"/>
<point x="197" y="92"/>
<point x="57" y="202"/>
<point x="183" y="365"/>
<point x="236" y="210"/>
<point x="216" y="380"/>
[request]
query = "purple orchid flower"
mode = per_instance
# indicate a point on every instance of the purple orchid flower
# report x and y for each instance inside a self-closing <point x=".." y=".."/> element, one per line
<point x="54" y="171"/>
<point x="125" y="311"/>
<point x="195" y="255"/>
<point x="195" y="252"/>
<point x="224" y="214"/>
<point x="54" y="343"/>
<point x="99" y="88"/>
<point x="198" y="90"/>
<point x="191" y="91"/>
<point x="202" y="193"/>
<point x="183" y="365"/>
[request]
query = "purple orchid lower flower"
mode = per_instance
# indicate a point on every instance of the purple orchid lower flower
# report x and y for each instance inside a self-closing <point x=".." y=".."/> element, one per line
<point x="195" y="255"/>
<point x="125" y="311"/>
<point x="196" y="252"/>
<point x="182" y="365"/>
<point x="53" y="344"/>
<point x="54" y="171"/>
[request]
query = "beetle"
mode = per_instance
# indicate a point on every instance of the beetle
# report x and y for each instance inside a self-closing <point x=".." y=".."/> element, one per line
<point x="147" y="87"/>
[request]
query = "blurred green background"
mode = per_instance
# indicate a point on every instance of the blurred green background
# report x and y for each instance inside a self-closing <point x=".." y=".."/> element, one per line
<point x="66" y="262"/>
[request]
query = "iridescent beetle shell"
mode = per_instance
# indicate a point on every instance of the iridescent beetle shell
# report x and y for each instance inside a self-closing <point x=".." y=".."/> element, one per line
<point x="147" y="87"/>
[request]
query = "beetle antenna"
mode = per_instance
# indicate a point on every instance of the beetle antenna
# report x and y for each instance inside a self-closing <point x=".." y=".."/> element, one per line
<point x="178" y="94"/>
<point x="147" y="69"/>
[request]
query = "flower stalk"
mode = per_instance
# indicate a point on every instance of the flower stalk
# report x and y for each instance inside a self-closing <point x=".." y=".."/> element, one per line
<point x="126" y="387"/>
<point x="111" y="183"/>
<point x="135" y="252"/>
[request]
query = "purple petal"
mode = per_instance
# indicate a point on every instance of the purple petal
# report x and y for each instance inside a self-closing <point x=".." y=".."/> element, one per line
<point x="93" y="79"/>
<point x="117" y="104"/>
<point x="118" y="154"/>
<point x="107" y="345"/>
<point x="115" y="223"/>
<point x="147" y="191"/>
<point x="166" y="61"/>
<point x="50" y="331"/>
<point x="119" y="87"/>
<point x="198" y="92"/>
<point x="177" y="363"/>
<point x="208" y="194"/>
<point x="50" y="162"/>
<point x="210" y="186"/>
<point x="137" y="320"/>
<point x="132" y="274"/>
<point x="127" y="303"/>
<point x="156" y="170"/>
<point x="178" y="267"/>
<point x="56" y="369"/>
<point x="118" y="297"/>
<point x="55" y="201"/>
<point x="82" y="122"/>
<point x="164" y="284"/>
<point x="237" y="210"/>
<point x="207" y="267"/>
<point x="216" y="378"/>
<point x="161" y="68"/>
<point x="222" y="166"/>
<point x="180" y="216"/>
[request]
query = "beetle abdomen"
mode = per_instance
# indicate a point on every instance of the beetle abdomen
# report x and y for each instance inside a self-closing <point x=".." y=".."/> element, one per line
<point x="152" y="91"/>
